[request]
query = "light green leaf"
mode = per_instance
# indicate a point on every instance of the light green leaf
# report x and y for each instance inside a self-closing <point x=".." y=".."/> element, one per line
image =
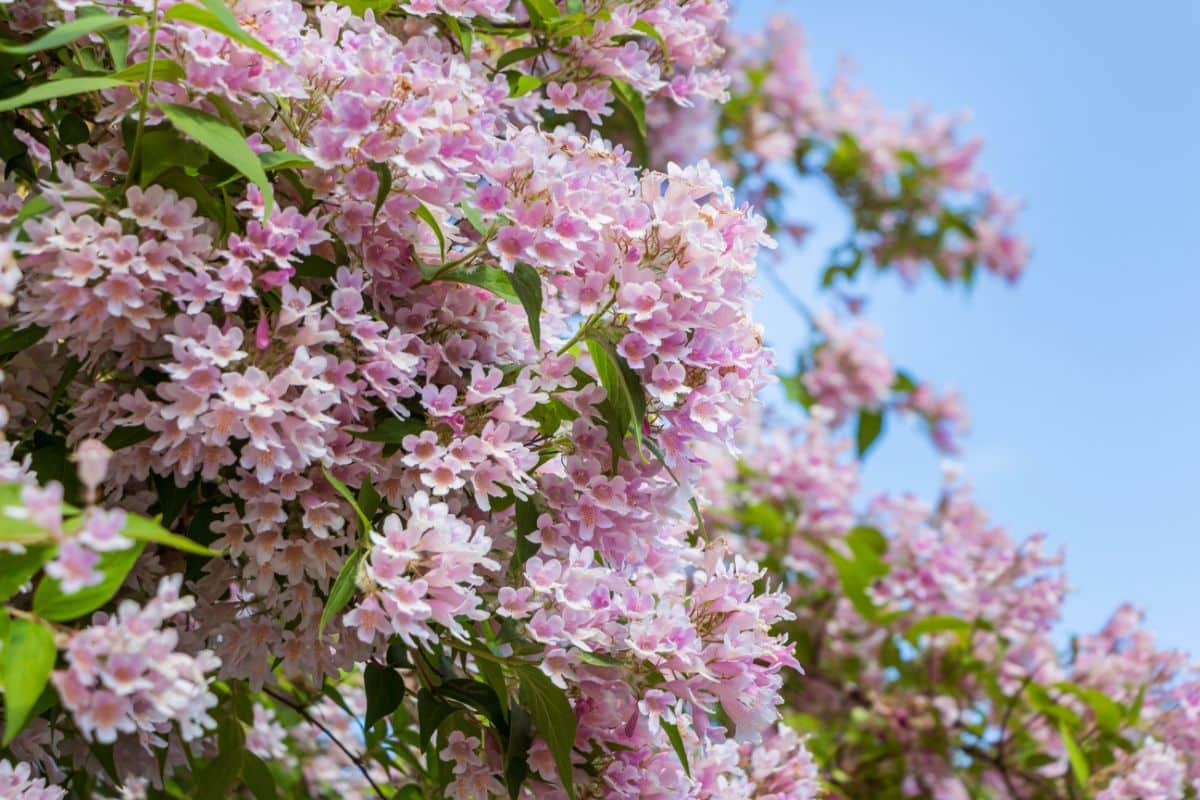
<point x="224" y="142"/>
<point x="142" y="529"/>
<point x="422" y="212"/>
<point x="633" y="101"/>
<point x="520" y="84"/>
<point x="283" y="159"/>
<point x="344" y="491"/>
<point x="1079" y="764"/>
<point x="163" y="69"/>
<point x="342" y="591"/>
<point x="677" y="742"/>
<point x="29" y="654"/>
<point x="651" y="31"/>
<point x="216" y="16"/>
<point x="17" y="568"/>
<point x="258" y="778"/>
<point x="51" y="602"/>
<point x="69" y="32"/>
<point x="56" y="89"/>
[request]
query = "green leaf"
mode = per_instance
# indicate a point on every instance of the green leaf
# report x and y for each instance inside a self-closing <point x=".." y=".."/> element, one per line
<point x="621" y="384"/>
<point x="69" y="32"/>
<point x="29" y="655"/>
<point x="1079" y="764"/>
<point x="520" y="84"/>
<point x="554" y="718"/>
<point x="216" y="16"/>
<point x="870" y="425"/>
<point x="633" y="102"/>
<point x="344" y="491"/>
<point x="937" y="623"/>
<point x="540" y="12"/>
<point x="494" y="279"/>
<point x="519" y="54"/>
<point x="313" y="266"/>
<point x="163" y="69"/>
<point x="596" y="659"/>
<point x="163" y="149"/>
<point x="527" y="284"/>
<point x="677" y="742"/>
<point x="55" y="89"/>
<point x="283" y="159"/>
<point x="385" y="691"/>
<point x="258" y="778"/>
<point x="368" y="498"/>
<point x="651" y="31"/>
<point x="422" y="212"/>
<point x="526" y="520"/>
<point x="224" y="141"/>
<point x="127" y="436"/>
<point x="33" y="207"/>
<point x="215" y="781"/>
<point x="13" y="339"/>
<point x="478" y="696"/>
<point x="342" y="591"/>
<point x="431" y="711"/>
<point x="516" y="753"/>
<point x="51" y="602"/>
<point x="392" y="430"/>
<point x="17" y="568"/>
<point x="1107" y="711"/>
<point x="142" y="529"/>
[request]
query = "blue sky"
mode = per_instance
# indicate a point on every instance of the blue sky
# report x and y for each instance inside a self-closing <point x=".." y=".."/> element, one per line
<point x="1083" y="381"/>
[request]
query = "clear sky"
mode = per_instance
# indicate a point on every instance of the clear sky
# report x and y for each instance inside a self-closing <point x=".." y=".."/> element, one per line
<point x="1083" y="381"/>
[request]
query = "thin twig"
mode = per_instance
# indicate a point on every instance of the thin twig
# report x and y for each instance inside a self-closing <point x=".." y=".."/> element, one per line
<point x="304" y="712"/>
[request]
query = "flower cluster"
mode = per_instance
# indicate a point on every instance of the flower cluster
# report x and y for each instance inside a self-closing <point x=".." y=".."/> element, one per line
<point x="124" y="674"/>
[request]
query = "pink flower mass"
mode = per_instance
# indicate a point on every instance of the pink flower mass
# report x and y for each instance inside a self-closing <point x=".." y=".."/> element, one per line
<point x="382" y="411"/>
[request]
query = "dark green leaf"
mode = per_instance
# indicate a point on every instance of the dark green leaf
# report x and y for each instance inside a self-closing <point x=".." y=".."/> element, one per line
<point x="870" y="425"/>
<point x="478" y="696"/>
<point x="363" y="522"/>
<point x="494" y="279"/>
<point x="384" y="173"/>
<point x="127" y="436"/>
<point x="29" y="655"/>
<point x="519" y="54"/>
<point x="391" y="430"/>
<point x="164" y="149"/>
<point x="14" y="340"/>
<point x="526" y="519"/>
<point x="516" y="754"/>
<point x="554" y="718"/>
<point x="621" y="384"/>
<point x="225" y="142"/>
<point x="51" y="602"/>
<point x="385" y="691"/>
<point x="313" y="266"/>
<point x="215" y="781"/>
<point x="431" y="711"/>
<point x="527" y="284"/>
<point x="258" y="778"/>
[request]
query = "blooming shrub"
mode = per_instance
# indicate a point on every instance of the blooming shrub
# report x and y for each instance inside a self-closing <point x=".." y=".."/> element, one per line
<point x="377" y="379"/>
